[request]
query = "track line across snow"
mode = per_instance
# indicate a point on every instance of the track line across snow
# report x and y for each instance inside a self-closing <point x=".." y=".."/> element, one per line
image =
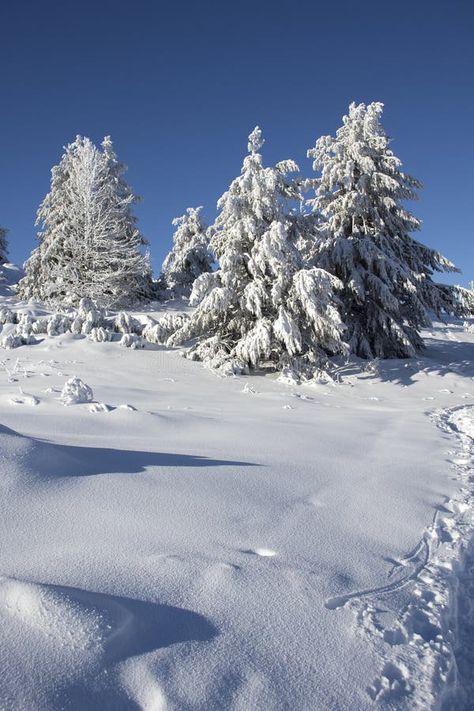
<point x="422" y="643"/>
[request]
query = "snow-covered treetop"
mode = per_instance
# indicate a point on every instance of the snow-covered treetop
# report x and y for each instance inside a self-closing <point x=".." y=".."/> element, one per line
<point x="256" y="140"/>
<point x="191" y="255"/>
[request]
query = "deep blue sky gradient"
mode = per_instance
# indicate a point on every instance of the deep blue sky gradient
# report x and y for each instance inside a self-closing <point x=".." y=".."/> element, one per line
<point x="179" y="85"/>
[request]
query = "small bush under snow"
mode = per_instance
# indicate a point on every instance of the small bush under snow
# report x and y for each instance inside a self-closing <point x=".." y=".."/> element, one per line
<point x="58" y="324"/>
<point x="131" y="340"/>
<point x="99" y="334"/>
<point x="125" y="323"/>
<point x="11" y="340"/>
<point x="76" y="391"/>
<point x="159" y="331"/>
<point x="8" y="316"/>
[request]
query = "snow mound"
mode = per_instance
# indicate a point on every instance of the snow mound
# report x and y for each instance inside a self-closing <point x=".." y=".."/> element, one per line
<point x="50" y="613"/>
<point x="76" y="391"/>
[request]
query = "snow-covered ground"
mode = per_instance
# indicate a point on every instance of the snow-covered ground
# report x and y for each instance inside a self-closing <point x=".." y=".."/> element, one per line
<point x="193" y="542"/>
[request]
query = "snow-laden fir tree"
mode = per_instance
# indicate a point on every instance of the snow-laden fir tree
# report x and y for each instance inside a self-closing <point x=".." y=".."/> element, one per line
<point x="89" y="242"/>
<point x="3" y="245"/>
<point x="261" y="307"/>
<point x="364" y="239"/>
<point x="191" y="255"/>
<point x="127" y="269"/>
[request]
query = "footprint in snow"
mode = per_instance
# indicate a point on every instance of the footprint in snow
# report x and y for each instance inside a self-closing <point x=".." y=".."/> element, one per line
<point x="261" y="552"/>
<point x="24" y="399"/>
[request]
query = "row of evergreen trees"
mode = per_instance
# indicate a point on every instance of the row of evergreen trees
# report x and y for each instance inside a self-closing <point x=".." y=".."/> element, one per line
<point x="291" y="270"/>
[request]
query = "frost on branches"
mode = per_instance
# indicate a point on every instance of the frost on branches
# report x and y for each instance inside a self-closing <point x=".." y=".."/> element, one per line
<point x="262" y="307"/>
<point x="190" y="256"/>
<point x="365" y="239"/>
<point x="89" y="241"/>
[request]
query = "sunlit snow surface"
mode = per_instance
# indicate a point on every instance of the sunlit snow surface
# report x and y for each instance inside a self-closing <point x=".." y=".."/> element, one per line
<point x="191" y="542"/>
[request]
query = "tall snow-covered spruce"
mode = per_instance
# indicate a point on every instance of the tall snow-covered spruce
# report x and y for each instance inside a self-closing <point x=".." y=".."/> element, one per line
<point x="363" y="238"/>
<point x="191" y="255"/>
<point x="3" y="245"/>
<point x="89" y="241"/>
<point x="261" y="307"/>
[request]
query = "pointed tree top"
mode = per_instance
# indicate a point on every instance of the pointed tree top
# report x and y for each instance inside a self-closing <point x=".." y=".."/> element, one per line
<point x="256" y="140"/>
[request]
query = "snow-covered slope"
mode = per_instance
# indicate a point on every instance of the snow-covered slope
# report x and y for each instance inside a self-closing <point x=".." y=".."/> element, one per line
<point x="191" y="542"/>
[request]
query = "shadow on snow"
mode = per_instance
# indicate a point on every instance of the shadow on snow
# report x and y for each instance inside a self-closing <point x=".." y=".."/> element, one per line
<point x="52" y="460"/>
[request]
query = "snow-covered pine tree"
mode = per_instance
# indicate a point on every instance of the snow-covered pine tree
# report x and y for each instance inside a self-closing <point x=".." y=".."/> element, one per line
<point x="3" y="245"/>
<point x="89" y="243"/>
<point x="51" y="272"/>
<point x="190" y="256"/>
<point x="261" y="307"/>
<point x="364" y="239"/>
<point x="126" y="270"/>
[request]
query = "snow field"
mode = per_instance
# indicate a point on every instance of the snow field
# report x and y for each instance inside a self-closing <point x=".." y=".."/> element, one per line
<point x="187" y="541"/>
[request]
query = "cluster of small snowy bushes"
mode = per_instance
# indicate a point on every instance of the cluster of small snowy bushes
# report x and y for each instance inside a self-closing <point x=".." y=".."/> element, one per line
<point x="88" y="321"/>
<point x="291" y="273"/>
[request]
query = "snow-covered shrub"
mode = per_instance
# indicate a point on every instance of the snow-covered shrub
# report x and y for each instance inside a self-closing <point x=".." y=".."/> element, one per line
<point x="11" y="340"/>
<point x="58" y="324"/>
<point x="125" y="323"/>
<point x="89" y="315"/>
<point x="362" y="230"/>
<point x="25" y="326"/>
<point x="40" y="325"/>
<point x="89" y="243"/>
<point x="160" y="330"/>
<point x="76" y="325"/>
<point x="76" y="391"/>
<point x="131" y="340"/>
<point x="8" y="316"/>
<point x="262" y="306"/>
<point x="190" y="257"/>
<point x="213" y="353"/>
<point x="99" y="334"/>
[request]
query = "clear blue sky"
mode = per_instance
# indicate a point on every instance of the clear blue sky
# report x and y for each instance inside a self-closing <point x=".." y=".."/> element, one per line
<point x="180" y="84"/>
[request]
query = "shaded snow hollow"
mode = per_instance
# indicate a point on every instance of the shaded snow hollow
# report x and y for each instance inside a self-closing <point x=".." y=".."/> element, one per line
<point x="191" y="542"/>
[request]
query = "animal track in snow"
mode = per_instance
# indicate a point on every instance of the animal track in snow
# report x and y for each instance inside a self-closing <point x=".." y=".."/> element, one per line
<point x="392" y="683"/>
<point x="413" y="563"/>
